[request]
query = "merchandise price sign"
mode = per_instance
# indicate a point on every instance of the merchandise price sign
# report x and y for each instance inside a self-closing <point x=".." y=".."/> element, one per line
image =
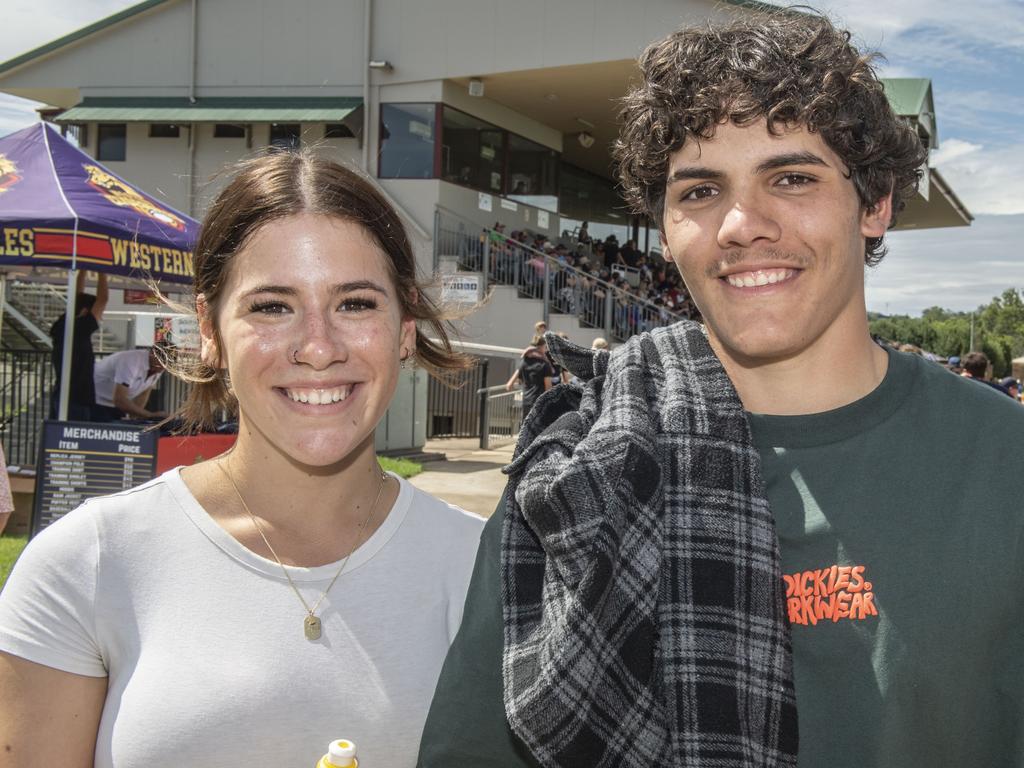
<point x="79" y="460"/>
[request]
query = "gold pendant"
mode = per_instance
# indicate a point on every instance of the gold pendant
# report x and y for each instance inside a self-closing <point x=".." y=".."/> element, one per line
<point x="312" y="627"/>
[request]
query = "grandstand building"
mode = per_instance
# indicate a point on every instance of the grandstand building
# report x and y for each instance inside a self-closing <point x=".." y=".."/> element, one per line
<point x="467" y="112"/>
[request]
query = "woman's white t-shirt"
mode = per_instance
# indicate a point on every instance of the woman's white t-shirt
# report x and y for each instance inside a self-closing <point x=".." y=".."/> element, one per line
<point x="202" y="640"/>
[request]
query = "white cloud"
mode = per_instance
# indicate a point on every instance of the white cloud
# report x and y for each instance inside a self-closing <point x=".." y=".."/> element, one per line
<point x="958" y="268"/>
<point x="16" y="114"/>
<point x="989" y="179"/>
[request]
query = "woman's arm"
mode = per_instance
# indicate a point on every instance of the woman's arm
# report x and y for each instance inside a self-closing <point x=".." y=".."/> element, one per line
<point x="47" y="717"/>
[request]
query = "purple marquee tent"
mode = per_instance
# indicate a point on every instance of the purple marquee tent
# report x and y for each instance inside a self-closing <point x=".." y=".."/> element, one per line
<point x="61" y="208"/>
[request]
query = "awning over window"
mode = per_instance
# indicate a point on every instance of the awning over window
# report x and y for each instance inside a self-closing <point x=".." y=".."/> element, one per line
<point x="212" y="110"/>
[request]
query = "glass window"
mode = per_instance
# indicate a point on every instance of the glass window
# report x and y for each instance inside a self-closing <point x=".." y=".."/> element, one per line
<point x="286" y="135"/>
<point x="338" y="131"/>
<point x="532" y="173"/>
<point x="163" y="131"/>
<point x="585" y="197"/>
<point x="228" y="131"/>
<point x="407" y="136"/>
<point x="472" y="152"/>
<point x="77" y="134"/>
<point x="112" y="141"/>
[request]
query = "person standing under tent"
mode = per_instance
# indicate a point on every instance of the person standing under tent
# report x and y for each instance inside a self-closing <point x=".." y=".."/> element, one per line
<point x="89" y="309"/>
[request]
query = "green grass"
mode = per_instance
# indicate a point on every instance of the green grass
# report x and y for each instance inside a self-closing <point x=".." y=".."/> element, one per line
<point x="10" y="548"/>
<point x="401" y="467"/>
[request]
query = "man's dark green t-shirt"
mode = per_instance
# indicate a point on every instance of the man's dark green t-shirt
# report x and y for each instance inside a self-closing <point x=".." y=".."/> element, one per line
<point x="901" y="533"/>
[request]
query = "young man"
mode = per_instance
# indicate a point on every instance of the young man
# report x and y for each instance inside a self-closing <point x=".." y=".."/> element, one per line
<point x="774" y="164"/>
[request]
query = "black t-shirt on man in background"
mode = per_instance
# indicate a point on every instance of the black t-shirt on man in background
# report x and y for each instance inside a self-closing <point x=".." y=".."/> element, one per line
<point x="532" y="372"/>
<point x="83" y="390"/>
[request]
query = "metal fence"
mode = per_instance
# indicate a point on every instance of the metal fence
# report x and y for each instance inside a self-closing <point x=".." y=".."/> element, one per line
<point x="25" y="384"/>
<point x="453" y="406"/>
<point x="563" y="289"/>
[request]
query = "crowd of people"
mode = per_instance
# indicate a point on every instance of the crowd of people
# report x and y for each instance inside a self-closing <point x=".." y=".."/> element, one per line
<point x="974" y="366"/>
<point x="646" y="291"/>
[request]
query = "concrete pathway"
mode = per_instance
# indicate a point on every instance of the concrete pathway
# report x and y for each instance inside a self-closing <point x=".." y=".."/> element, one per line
<point x="470" y="478"/>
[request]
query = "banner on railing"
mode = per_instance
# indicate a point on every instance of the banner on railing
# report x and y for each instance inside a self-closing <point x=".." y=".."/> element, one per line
<point x="461" y="288"/>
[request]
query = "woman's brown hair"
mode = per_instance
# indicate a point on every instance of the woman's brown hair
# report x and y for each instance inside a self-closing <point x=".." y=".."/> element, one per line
<point x="280" y="184"/>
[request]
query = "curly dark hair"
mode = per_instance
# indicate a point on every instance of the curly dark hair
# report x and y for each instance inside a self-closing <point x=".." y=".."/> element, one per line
<point x="793" y="69"/>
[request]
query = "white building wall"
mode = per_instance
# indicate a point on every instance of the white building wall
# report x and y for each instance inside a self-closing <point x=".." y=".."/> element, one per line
<point x="147" y="56"/>
<point x="460" y="38"/>
<point x="310" y="47"/>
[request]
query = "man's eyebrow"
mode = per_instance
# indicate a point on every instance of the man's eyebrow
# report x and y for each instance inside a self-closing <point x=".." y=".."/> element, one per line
<point x="688" y="172"/>
<point x="348" y="287"/>
<point x="790" y="158"/>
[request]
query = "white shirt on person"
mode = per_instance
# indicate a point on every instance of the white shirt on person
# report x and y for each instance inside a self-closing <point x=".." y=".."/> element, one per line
<point x="130" y="368"/>
<point x="202" y="640"/>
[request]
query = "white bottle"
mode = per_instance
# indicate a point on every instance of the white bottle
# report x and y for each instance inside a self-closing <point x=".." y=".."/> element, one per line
<point x="340" y="754"/>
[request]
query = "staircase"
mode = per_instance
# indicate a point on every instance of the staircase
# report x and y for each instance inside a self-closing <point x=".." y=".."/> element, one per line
<point x="31" y="308"/>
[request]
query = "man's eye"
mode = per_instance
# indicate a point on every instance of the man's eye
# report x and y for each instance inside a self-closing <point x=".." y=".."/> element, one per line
<point x="268" y="307"/>
<point x="794" y="180"/>
<point x="703" y="192"/>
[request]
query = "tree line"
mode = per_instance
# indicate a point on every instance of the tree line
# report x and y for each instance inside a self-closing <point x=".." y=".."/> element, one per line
<point x="998" y="330"/>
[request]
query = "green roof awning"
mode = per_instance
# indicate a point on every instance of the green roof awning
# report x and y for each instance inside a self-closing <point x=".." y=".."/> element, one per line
<point x="911" y="97"/>
<point x="908" y="96"/>
<point x="212" y="110"/>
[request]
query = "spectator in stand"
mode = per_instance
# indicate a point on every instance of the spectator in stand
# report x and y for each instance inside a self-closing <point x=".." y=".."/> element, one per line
<point x="540" y="328"/>
<point x="534" y="373"/>
<point x="89" y="311"/>
<point x="599" y="343"/>
<point x="583" y="236"/>
<point x="611" y="248"/>
<point x="630" y="256"/>
<point x="976" y="368"/>
<point x="600" y="258"/>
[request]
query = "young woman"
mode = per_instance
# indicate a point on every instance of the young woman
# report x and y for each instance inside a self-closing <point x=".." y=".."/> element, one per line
<point x="248" y="610"/>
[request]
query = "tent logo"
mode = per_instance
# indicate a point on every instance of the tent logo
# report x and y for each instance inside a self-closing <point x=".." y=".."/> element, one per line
<point x="119" y="193"/>
<point x="9" y="175"/>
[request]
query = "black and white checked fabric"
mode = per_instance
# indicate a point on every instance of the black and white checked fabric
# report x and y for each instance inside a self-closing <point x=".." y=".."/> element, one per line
<point x="642" y="593"/>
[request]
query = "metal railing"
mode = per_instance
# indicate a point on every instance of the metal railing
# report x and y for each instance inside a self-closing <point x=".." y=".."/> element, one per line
<point x="562" y="289"/>
<point x="501" y="415"/>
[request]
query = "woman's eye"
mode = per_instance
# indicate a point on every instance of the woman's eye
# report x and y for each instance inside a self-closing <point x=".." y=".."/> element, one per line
<point x="268" y="307"/>
<point x="703" y="192"/>
<point x="358" y="304"/>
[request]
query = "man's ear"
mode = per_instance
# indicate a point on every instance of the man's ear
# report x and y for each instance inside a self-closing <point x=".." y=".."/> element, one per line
<point x="209" y="348"/>
<point x="874" y="221"/>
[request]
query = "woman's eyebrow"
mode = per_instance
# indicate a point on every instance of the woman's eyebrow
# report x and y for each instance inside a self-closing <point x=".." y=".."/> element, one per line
<point x="346" y="287"/>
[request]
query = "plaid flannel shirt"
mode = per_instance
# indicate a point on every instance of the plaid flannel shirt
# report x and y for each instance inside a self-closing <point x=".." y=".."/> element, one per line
<point x="642" y="594"/>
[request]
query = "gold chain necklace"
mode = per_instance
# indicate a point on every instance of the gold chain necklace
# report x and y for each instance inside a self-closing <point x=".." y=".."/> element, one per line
<point x="311" y="625"/>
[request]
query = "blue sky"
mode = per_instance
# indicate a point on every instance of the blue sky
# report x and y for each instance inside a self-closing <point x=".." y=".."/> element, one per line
<point x="972" y="51"/>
